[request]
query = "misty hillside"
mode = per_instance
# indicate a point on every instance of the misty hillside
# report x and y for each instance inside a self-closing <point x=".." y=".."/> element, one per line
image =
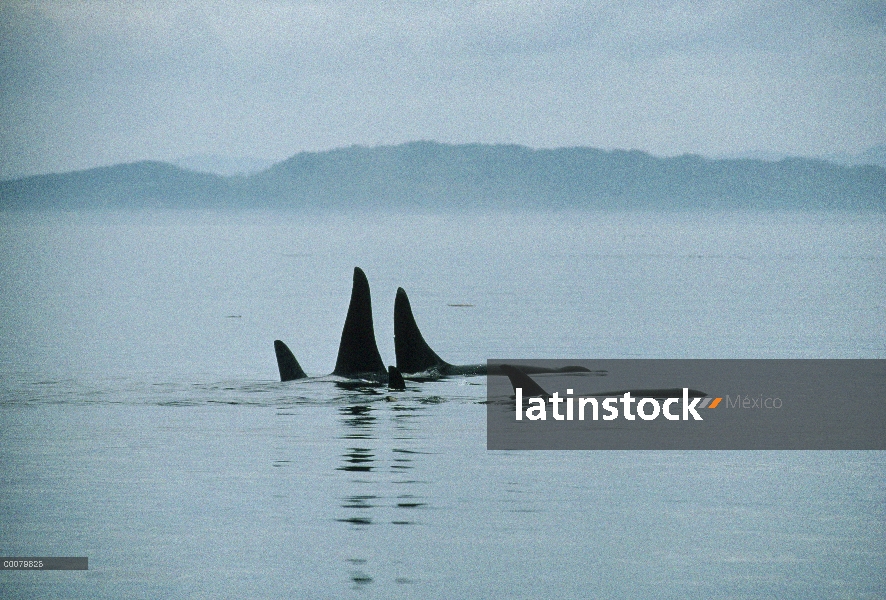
<point x="432" y="175"/>
<point x="141" y="184"/>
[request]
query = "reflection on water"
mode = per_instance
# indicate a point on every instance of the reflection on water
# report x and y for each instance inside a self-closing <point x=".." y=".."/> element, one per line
<point x="379" y="491"/>
<point x="143" y="426"/>
<point x="357" y="457"/>
<point x="360" y="419"/>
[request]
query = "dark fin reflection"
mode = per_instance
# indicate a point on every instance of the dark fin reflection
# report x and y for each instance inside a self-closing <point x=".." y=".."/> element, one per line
<point x="357" y="352"/>
<point x="395" y="379"/>
<point x="289" y="367"/>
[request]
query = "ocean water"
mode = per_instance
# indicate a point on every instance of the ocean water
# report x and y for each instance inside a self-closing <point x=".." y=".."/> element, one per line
<point x="141" y="423"/>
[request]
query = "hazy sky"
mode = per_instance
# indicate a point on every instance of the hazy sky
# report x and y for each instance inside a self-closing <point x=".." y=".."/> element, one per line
<point x="92" y="83"/>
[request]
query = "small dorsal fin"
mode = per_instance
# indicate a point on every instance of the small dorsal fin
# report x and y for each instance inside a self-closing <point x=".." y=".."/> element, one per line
<point x="395" y="379"/>
<point x="413" y="353"/>
<point x="357" y="351"/>
<point x="289" y="367"/>
<point x="519" y="379"/>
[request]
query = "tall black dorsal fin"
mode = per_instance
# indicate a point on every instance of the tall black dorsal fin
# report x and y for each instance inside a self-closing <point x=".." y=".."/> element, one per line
<point x="289" y="367"/>
<point x="357" y="352"/>
<point x="413" y="353"/>
<point x="519" y="379"/>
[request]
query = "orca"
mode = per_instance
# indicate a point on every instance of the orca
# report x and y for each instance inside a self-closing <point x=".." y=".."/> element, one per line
<point x="358" y="355"/>
<point x="414" y="355"/>
<point x="395" y="379"/>
<point x="519" y="379"/>
<point x="289" y="367"/>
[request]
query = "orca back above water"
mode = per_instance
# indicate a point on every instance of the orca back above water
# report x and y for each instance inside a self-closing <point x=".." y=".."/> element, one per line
<point x="519" y="379"/>
<point x="358" y="355"/>
<point x="395" y="379"/>
<point x="289" y="367"/>
<point x="414" y="355"/>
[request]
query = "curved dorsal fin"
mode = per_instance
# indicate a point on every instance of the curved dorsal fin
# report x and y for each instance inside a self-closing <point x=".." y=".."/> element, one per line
<point x="519" y="379"/>
<point x="413" y="353"/>
<point x="357" y="352"/>
<point x="289" y="367"/>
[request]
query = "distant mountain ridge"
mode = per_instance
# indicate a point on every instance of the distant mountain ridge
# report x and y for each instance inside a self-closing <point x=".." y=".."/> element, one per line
<point x="430" y="175"/>
<point x="875" y="156"/>
<point x="872" y="156"/>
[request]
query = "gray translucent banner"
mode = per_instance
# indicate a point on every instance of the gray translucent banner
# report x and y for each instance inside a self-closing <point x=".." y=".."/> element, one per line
<point x="44" y="563"/>
<point x="767" y="404"/>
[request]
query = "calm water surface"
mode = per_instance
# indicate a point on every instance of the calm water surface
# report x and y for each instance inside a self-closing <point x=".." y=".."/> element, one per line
<point x="141" y="424"/>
